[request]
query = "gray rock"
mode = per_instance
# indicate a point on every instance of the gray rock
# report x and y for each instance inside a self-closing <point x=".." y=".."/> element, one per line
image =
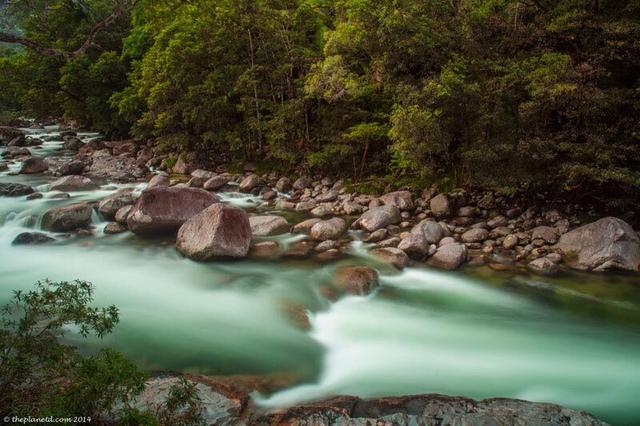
<point x="543" y="266"/>
<point x="15" y="189"/>
<point x="330" y="229"/>
<point x="415" y="245"/>
<point x="322" y="211"/>
<point x="110" y="205"/>
<point x="306" y="206"/>
<point x="283" y="184"/>
<point x="475" y="235"/>
<point x="497" y="222"/>
<point x="122" y="214"/>
<point x="31" y="238"/>
<point x="73" y="183"/>
<point x="73" y="167"/>
<point x="510" y="241"/>
<point x="216" y="183"/>
<point x="546" y="233"/>
<point x="249" y="183"/>
<point x="430" y="230"/>
<point x="304" y="227"/>
<point x="440" y="206"/>
<point x="301" y="183"/>
<point x="379" y="217"/>
<point x="114" y="228"/>
<point x="401" y="199"/>
<point x="608" y="244"/>
<point x="327" y="196"/>
<point x="351" y="207"/>
<point x="391" y="255"/>
<point x="205" y="175"/>
<point x="268" y="225"/>
<point x="33" y="165"/>
<point x="69" y="218"/>
<point x="218" y="232"/>
<point x="449" y="256"/>
<point x="159" y="181"/>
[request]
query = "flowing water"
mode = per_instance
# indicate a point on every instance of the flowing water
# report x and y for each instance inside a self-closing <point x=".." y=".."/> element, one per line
<point x="572" y="340"/>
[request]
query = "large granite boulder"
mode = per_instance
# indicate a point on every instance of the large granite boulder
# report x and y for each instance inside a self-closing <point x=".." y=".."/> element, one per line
<point x="163" y="210"/>
<point x="379" y="217"/>
<point x="608" y="244"/>
<point x="33" y="165"/>
<point x="68" y="218"/>
<point x="330" y="229"/>
<point x="268" y="225"/>
<point x="15" y="189"/>
<point x="218" y="232"/>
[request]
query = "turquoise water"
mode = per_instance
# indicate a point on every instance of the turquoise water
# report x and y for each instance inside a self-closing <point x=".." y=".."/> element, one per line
<point x="572" y="340"/>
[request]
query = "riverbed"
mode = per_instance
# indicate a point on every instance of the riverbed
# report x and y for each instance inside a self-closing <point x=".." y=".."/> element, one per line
<point x="573" y="339"/>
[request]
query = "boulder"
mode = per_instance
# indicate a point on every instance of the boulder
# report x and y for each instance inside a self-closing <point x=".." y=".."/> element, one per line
<point x="122" y="214"/>
<point x="33" y="165"/>
<point x="440" y="206"/>
<point x="216" y="183"/>
<point x="249" y="183"/>
<point x="163" y="210"/>
<point x="72" y="143"/>
<point x="306" y="206"/>
<point x="546" y="233"/>
<point x="330" y="229"/>
<point x="110" y="205"/>
<point x="68" y="218"/>
<point x="263" y="226"/>
<point x="379" y="217"/>
<point x="264" y="249"/>
<point x="301" y="183"/>
<point x="449" y="256"/>
<point x="497" y="222"/>
<point x="183" y="166"/>
<point x="205" y="175"/>
<point x="415" y="245"/>
<point x="31" y="238"/>
<point x="15" y="189"/>
<point x="322" y="211"/>
<point x="401" y="199"/>
<point x="510" y="241"/>
<point x="391" y="255"/>
<point x="73" y="183"/>
<point x="543" y="266"/>
<point x="327" y="197"/>
<point x="218" y="232"/>
<point x="114" y="228"/>
<point x="158" y="181"/>
<point x="304" y="227"/>
<point x="608" y="244"/>
<point x="283" y="184"/>
<point x="358" y="280"/>
<point x="475" y="235"/>
<point x="73" y="167"/>
<point x="430" y="230"/>
<point x="118" y="168"/>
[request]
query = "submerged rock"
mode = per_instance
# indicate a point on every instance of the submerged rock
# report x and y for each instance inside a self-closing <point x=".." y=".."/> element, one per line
<point x="31" y="238"/>
<point x="358" y="280"/>
<point x="610" y="243"/>
<point x="68" y="218"/>
<point x="391" y="255"/>
<point x="163" y="210"/>
<point x="218" y="232"/>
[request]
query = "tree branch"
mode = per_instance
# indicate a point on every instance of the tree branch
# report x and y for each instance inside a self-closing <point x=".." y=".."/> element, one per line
<point x="119" y="11"/>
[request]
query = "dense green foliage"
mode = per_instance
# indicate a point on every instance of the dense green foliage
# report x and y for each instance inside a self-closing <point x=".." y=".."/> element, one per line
<point x="42" y="376"/>
<point x="504" y="94"/>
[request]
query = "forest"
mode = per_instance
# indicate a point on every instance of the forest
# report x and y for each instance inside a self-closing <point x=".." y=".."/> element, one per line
<point x="537" y="97"/>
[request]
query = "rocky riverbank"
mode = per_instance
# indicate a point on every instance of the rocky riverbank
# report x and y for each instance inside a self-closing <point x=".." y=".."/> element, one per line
<point x="442" y="230"/>
<point x="226" y="401"/>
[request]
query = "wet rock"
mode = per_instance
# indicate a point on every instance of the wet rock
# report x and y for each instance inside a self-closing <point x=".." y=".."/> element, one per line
<point x="379" y="217"/>
<point x="322" y="211"/>
<point x="122" y="214"/>
<point x="449" y="256"/>
<point x="31" y="238"/>
<point x="263" y="226"/>
<point x="218" y="232"/>
<point x="216" y="183"/>
<point x="110" y="205"/>
<point x="351" y="207"/>
<point x="157" y="181"/>
<point x="119" y="168"/>
<point x="440" y="206"/>
<point x="163" y="210"/>
<point x="546" y="233"/>
<point x="283" y="184"/>
<point x="205" y="175"/>
<point x="73" y="183"/>
<point x="543" y="266"/>
<point x="497" y="222"/>
<point x="304" y="227"/>
<point x="196" y="182"/>
<point x="299" y="250"/>
<point x="467" y="211"/>
<point x="326" y="245"/>
<point x="268" y="194"/>
<point x="264" y="250"/>
<point x="15" y="189"/>
<point x="377" y="236"/>
<point x="327" y="197"/>
<point x="475" y="235"/>
<point x="68" y="218"/>
<point x="33" y="165"/>
<point x="73" y="167"/>
<point x="608" y="244"/>
<point x="35" y="196"/>
<point x="358" y="280"/>
<point x="510" y="241"/>
<point x="389" y="242"/>
<point x="400" y="199"/>
<point x="72" y="143"/>
<point x="249" y="183"/>
<point x="114" y="228"/>
<point x="328" y="229"/>
<point x="391" y="255"/>
<point x="184" y="165"/>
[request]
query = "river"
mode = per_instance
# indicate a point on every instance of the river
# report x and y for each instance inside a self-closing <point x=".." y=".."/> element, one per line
<point x="572" y="339"/>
